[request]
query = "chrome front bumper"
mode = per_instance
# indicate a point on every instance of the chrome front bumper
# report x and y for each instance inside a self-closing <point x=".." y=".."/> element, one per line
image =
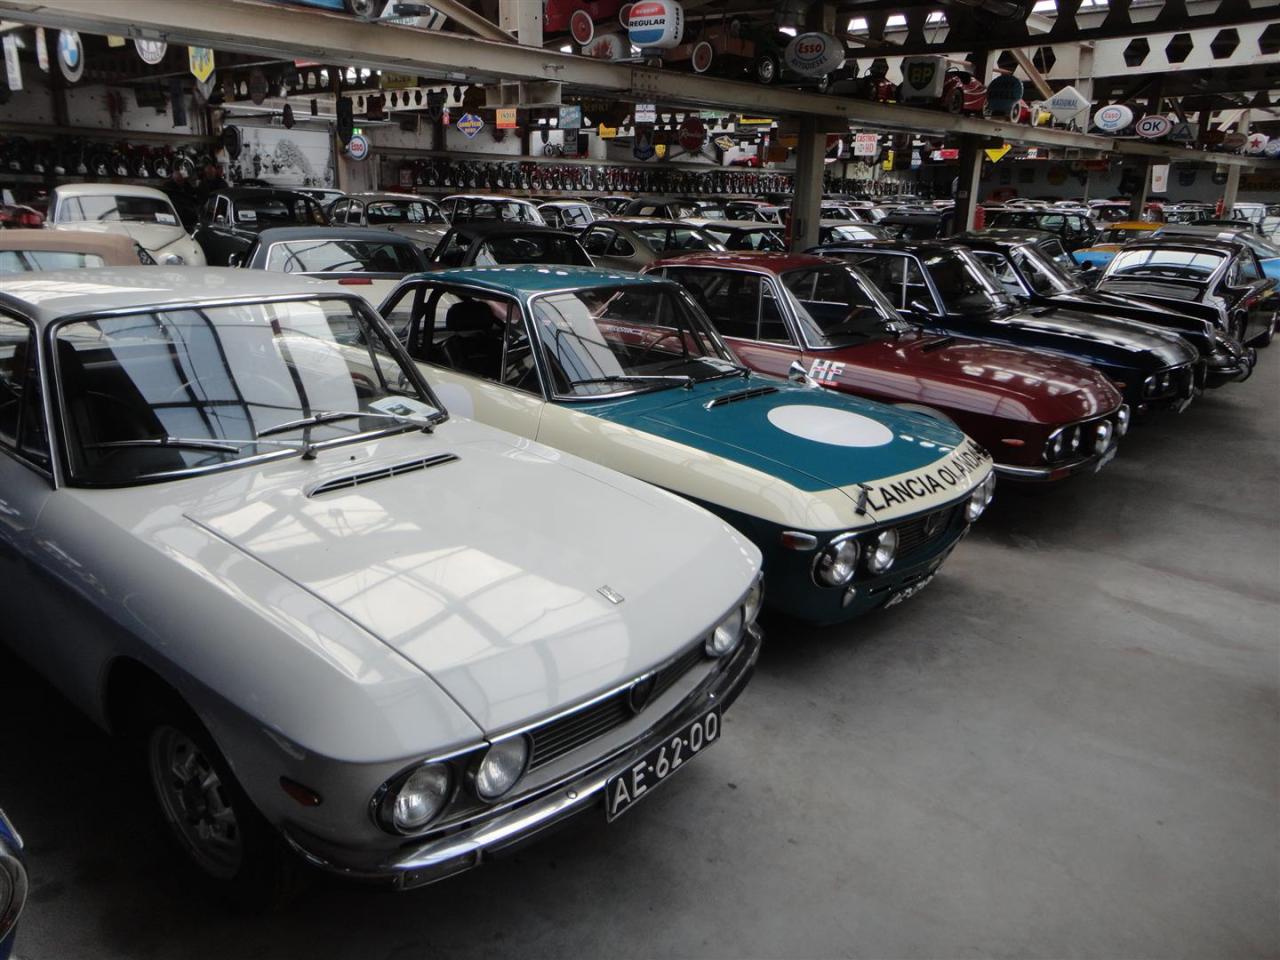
<point x="424" y="861"/>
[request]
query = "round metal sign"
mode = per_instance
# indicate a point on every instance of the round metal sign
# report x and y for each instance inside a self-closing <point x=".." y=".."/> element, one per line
<point x="258" y="87"/>
<point x="656" y="24"/>
<point x="582" y="28"/>
<point x="1272" y="149"/>
<point x="358" y="147"/>
<point x="1113" y="117"/>
<point x="693" y="134"/>
<point x="814" y="54"/>
<point x="1153" y="126"/>
<point x="151" y="51"/>
<point x="70" y="55"/>
<point x="703" y="54"/>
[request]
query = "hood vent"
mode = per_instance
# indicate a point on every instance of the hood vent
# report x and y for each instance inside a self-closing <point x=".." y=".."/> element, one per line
<point x="381" y="473"/>
<point x="937" y="344"/>
<point x="727" y="398"/>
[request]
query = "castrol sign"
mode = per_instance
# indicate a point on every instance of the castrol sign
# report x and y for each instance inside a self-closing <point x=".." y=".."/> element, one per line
<point x="813" y="54"/>
<point x="656" y="24"/>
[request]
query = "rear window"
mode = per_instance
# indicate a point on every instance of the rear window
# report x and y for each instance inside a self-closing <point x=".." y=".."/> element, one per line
<point x="1171" y="264"/>
<point x="116" y="209"/>
<point x="24" y="261"/>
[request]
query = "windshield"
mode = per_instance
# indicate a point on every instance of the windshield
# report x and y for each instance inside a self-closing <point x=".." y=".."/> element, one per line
<point x="23" y="261"/>
<point x="391" y="212"/>
<point x="343" y="256"/>
<point x="531" y="248"/>
<point x="837" y="306"/>
<point x="769" y="241"/>
<point x="507" y="211"/>
<point x="220" y="377"/>
<point x="1172" y="263"/>
<point x="278" y="211"/>
<point x="1184" y="215"/>
<point x="1122" y="234"/>
<point x="1045" y="276"/>
<point x="626" y="339"/>
<point x="116" y="209"/>
<point x="966" y="286"/>
<point x="663" y="239"/>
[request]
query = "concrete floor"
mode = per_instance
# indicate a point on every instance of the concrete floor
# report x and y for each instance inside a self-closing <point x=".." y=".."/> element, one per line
<point x="1069" y="745"/>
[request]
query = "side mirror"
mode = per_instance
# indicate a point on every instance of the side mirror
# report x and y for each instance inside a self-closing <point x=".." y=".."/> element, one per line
<point x="235" y="260"/>
<point x="915" y="306"/>
<point x="797" y="374"/>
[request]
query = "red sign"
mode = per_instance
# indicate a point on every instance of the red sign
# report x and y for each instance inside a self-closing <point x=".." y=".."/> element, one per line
<point x="693" y="134"/>
<point x="949" y="153"/>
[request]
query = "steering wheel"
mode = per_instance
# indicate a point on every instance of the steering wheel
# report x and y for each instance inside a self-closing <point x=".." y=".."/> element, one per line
<point x="653" y="346"/>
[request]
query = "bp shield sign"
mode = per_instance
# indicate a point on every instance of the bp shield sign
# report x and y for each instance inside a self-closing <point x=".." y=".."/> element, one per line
<point x="922" y="78"/>
<point x="1153" y="127"/>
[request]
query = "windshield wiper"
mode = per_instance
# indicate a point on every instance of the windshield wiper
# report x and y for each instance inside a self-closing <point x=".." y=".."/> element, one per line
<point x="202" y="443"/>
<point x="687" y="380"/>
<point x="331" y="416"/>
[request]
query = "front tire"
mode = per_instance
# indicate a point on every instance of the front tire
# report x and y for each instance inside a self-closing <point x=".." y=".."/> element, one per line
<point x="210" y="818"/>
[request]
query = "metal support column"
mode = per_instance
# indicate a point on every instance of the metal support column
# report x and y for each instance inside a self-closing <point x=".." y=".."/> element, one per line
<point x="967" y="183"/>
<point x="806" y="204"/>
<point x="522" y="19"/>
<point x="1139" y="199"/>
<point x="1232" y="188"/>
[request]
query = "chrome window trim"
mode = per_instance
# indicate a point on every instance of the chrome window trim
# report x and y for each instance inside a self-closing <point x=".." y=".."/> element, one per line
<point x="765" y="276"/>
<point x="49" y="473"/>
<point x="360" y="305"/>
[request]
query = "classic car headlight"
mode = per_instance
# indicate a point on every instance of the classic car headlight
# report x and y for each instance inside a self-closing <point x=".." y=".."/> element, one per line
<point x="174" y="260"/>
<point x="501" y="767"/>
<point x="1122" y="420"/>
<point x="883" y="551"/>
<point x="838" y="561"/>
<point x="1102" y="436"/>
<point x="727" y="635"/>
<point x="980" y="499"/>
<point x="417" y="799"/>
<point x="753" y="601"/>
<point x="1056" y="445"/>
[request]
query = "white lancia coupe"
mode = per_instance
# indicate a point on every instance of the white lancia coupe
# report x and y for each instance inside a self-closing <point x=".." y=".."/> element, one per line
<point x="239" y="528"/>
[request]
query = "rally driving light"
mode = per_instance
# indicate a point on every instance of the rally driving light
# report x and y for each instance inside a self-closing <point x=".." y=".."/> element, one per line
<point x="884" y="550"/>
<point x="174" y="260"/>
<point x="725" y="637"/>
<point x="836" y="564"/>
<point x="1102" y="436"/>
<point x="753" y="601"/>
<point x="980" y="498"/>
<point x="503" y="765"/>
<point x="418" y="800"/>
<point x="1122" y="421"/>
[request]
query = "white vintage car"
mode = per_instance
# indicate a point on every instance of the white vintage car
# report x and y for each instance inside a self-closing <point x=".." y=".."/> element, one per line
<point x="143" y="214"/>
<point x="239" y="527"/>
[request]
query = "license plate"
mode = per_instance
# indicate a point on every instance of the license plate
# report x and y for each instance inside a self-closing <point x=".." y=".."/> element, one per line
<point x="622" y="791"/>
<point x="908" y="592"/>
<point x="1105" y="459"/>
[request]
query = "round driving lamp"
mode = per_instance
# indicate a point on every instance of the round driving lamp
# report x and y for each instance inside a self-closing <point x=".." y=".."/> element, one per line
<point x="976" y="503"/>
<point x="725" y="637"/>
<point x="503" y="765"/>
<point x="752" y="602"/>
<point x="1122" y="421"/>
<point x="837" y="563"/>
<point x="420" y="797"/>
<point x="1075" y="439"/>
<point x="883" y="552"/>
<point x="174" y="260"/>
<point x="1102" y="436"/>
<point x="990" y="485"/>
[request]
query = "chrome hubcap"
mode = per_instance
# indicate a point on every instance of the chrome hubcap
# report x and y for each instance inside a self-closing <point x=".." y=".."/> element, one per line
<point x="195" y="801"/>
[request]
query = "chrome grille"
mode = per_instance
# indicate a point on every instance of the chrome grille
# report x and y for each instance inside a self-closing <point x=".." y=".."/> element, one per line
<point x="553" y="740"/>
<point x="921" y="531"/>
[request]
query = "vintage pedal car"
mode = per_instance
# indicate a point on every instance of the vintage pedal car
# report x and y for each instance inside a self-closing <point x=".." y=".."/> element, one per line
<point x="1016" y="259"/>
<point x="240" y="529"/>
<point x="1043" y="418"/>
<point x="13" y="885"/>
<point x="946" y="290"/>
<point x="853" y="505"/>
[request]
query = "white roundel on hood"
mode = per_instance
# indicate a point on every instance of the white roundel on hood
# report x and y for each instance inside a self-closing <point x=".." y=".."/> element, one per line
<point x="839" y="428"/>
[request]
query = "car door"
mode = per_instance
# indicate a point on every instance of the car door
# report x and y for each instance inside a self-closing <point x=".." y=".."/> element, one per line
<point x="475" y="350"/>
<point x="26" y="483"/>
<point x="217" y="235"/>
<point x="1253" y="295"/>
<point x="745" y="310"/>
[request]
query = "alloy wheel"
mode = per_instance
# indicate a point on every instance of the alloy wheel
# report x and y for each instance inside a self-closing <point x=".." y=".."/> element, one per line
<point x="195" y="801"/>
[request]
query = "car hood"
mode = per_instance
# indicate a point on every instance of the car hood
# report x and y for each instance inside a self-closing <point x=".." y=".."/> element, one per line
<point x="812" y="439"/>
<point x="486" y="571"/>
<point x="1103" y="339"/>
<point x="153" y="237"/>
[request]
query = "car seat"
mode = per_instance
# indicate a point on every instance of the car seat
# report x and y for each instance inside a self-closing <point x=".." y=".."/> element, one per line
<point x="474" y="341"/>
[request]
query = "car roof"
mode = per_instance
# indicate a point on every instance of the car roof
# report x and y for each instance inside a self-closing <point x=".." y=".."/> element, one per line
<point x="530" y="279"/>
<point x="923" y="248"/>
<point x="1005" y="235"/>
<point x="314" y="231"/>
<point x="385" y="195"/>
<point x="108" y="190"/>
<point x="1134" y="225"/>
<point x="767" y="262"/>
<point x="117" y="249"/>
<point x="486" y="228"/>
<point x="494" y="197"/>
<point x="248" y="193"/>
<point x="641" y="222"/>
<point x="60" y="293"/>
<point x="1201" y="244"/>
<point x="912" y="219"/>
<point x="752" y="225"/>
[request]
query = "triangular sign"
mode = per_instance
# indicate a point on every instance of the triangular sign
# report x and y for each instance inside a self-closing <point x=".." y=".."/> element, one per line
<point x="995" y="153"/>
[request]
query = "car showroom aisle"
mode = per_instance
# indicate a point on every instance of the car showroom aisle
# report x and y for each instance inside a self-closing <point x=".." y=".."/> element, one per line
<point x="1066" y="746"/>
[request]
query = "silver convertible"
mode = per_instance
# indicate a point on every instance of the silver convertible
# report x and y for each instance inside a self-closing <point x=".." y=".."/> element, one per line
<point x="238" y="527"/>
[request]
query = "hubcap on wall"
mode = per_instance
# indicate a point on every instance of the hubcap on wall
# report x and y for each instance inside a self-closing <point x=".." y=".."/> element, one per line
<point x="195" y="801"/>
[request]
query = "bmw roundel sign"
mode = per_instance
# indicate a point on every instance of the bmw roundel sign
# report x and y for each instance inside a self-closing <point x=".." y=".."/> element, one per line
<point x="656" y="24"/>
<point x="813" y="54"/>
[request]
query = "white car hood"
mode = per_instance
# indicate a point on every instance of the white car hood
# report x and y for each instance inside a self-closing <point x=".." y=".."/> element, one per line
<point x="485" y="572"/>
<point x="152" y="236"/>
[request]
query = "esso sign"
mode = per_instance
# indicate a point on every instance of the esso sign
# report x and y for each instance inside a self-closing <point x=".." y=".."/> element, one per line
<point x="1153" y="127"/>
<point x="656" y="24"/>
<point x="1114" y="117"/>
<point x="357" y="147"/>
<point x="813" y="54"/>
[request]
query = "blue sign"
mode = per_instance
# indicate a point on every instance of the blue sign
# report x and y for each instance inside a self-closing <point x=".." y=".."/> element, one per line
<point x="470" y="125"/>
<point x="570" y="118"/>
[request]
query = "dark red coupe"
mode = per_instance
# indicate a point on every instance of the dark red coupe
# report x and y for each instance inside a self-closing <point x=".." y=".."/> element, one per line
<point x="1042" y="417"/>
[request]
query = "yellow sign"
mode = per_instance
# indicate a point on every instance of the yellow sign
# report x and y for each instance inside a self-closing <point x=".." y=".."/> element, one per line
<point x="995" y="153"/>
<point x="888" y="160"/>
<point x="606" y="133"/>
<point x="506" y="118"/>
<point x="114" y="41"/>
<point x="201" y="60"/>
<point x="399" y="81"/>
<point x="660" y="150"/>
<point x="755" y="121"/>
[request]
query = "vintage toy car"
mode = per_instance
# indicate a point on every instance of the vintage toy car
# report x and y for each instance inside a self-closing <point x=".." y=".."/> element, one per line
<point x="963" y="93"/>
<point x="13" y="885"/>
<point x="853" y="504"/>
<point x="231" y="220"/>
<point x="1042" y="417"/>
<point x="369" y="262"/>
<point x="946" y="290"/>
<point x="407" y="214"/>
<point x="629" y="243"/>
<point x="1219" y="280"/>
<point x="242" y="530"/>
<point x="1106" y="242"/>
<point x="143" y="214"/>
<point x="1016" y="260"/>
